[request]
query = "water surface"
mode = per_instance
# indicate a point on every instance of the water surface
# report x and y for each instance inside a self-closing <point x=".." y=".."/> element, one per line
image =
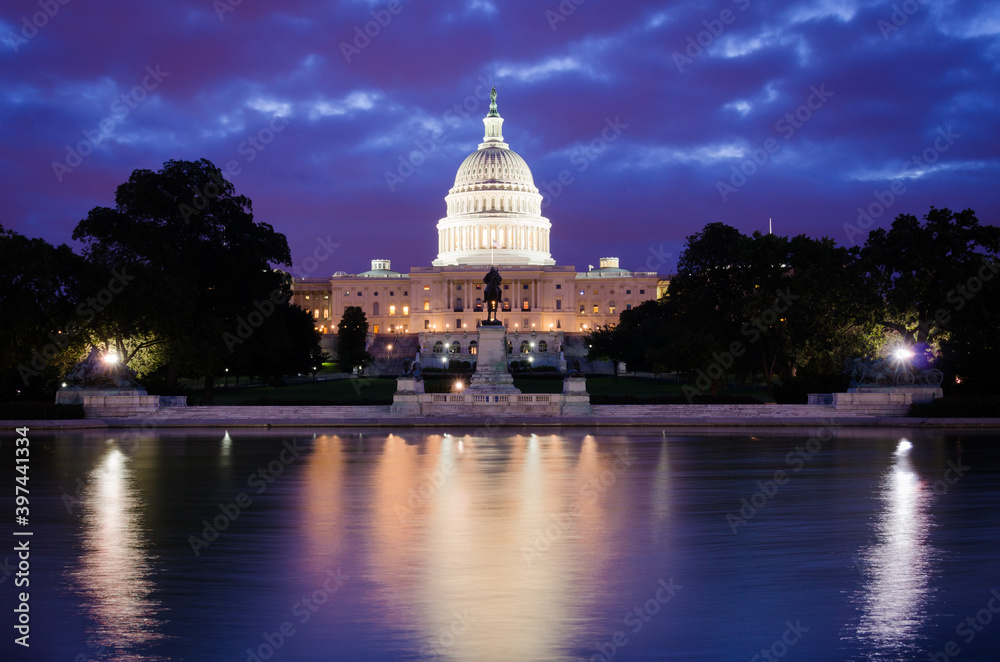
<point x="460" y="544"/>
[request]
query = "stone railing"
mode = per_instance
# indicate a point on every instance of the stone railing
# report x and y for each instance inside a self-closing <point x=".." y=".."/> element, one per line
<point x="410" y="399"/>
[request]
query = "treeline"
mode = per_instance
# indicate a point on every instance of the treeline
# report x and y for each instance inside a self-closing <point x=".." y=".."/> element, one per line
<point x="788" y="312"/>
<point x="177" y="279"/>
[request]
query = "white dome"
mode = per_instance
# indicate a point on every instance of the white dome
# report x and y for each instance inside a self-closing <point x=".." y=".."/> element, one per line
<point x="494" y="167"/>
<point x="494" y="210"/>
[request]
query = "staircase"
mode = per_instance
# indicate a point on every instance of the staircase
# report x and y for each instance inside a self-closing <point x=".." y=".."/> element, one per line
<point x="575" y="347"/>
<point x="390" y="361"/>
<point x="720" y="411"/>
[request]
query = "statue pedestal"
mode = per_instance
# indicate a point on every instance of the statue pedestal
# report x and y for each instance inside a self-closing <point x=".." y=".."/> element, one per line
<point x="491" y="374"/>
<point x="576" y="400"/>
<point x="406" y="399"/>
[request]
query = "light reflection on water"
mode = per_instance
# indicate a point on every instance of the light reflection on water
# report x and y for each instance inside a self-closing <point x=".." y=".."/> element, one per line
<point x="509" y="546"/>
<point x="490" y="562"/>
<point x="897" y="567"/>
<point x="114" y="570"/>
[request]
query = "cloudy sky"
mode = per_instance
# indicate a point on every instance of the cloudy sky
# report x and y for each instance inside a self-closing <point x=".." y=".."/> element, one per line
<point x="350" y="119"/>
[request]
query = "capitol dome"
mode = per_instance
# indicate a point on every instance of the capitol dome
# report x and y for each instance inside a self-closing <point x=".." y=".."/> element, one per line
<point x="494" y="209"/>
<point x="494" y="166"/>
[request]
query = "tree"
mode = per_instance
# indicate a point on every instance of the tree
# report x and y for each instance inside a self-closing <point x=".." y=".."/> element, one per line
<point x="970" y="354"/>
<point x="41" y="326"/>
<point x="708" y="300"/>
<point x="352" y="340"/>
<point x="643" y="333"/>
<point x="762" y="305"/>
<point x="915" y="269"/>
<point x="204" y="266"/>
<point x="605" y="344"/>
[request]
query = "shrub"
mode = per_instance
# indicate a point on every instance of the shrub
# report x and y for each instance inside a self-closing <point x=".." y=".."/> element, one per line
<point x="458" y="366"/>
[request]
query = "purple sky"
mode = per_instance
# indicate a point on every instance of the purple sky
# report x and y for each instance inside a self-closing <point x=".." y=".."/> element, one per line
<point x="892" y="86"/>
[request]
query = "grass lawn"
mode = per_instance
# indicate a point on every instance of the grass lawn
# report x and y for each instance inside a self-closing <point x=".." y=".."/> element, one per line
<point x="608" y="385"/>
<point x="330" y="392"/>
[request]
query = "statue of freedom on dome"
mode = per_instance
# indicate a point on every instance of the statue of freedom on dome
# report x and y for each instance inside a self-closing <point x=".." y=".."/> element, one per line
<point x="493" y="103"/>
<point x="493" y="294"/>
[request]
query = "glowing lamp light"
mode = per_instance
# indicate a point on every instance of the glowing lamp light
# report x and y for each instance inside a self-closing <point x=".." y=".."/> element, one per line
<point x="390" y="348"/>
<point x="903" y="354"/>
<point x="111" y="357"/>
<point x="459" y="386"/>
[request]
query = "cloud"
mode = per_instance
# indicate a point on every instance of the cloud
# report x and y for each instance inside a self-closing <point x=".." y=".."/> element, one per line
<point x="357" y="100"/>
<point x="418" y="78"/>
<point x="551" y="67"/>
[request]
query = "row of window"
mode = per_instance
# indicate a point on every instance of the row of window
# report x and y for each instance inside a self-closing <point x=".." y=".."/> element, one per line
<point x="583" y="293"/>
<point x="392" y="309"/>
<point x="458" y="287"/>
<point x="597" y="308"/>
<point x="459" y="324"/>
<point x="392" y="293"/>
<point x="525" y="306"/>
<point x="455" y="347"/>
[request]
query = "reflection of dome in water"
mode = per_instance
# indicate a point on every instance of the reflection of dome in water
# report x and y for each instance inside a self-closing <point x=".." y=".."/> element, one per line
<point x="494" y="209"/>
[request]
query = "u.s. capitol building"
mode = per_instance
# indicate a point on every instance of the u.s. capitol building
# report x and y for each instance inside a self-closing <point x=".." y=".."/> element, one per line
<point x="493" y="218"/>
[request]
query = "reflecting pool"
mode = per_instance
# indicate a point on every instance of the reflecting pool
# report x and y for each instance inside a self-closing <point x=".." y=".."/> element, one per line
<point x="503" y="544"/>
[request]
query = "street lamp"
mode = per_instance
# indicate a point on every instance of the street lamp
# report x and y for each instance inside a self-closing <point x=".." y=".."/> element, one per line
<point x="903" y="354"/>
<point x="226" y="385"/>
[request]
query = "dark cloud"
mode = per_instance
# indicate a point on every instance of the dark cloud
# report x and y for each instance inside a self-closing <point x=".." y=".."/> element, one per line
<point x="358" y="106"/>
